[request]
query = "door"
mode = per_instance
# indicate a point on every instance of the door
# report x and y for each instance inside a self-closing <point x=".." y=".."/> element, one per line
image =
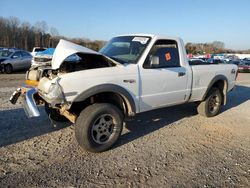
<point x="26" y="62"/>
<point x="163" y="82"/>
<point x="16" y="60"/>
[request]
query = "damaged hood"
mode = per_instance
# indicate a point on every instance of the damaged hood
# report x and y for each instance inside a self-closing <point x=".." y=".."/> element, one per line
<point x="66" y="48"/>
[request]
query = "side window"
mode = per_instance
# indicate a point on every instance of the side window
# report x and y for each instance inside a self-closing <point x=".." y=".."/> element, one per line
<point x="166" y="51"/>
<point x="17" y="55"/>
<point x="25" y="54"/>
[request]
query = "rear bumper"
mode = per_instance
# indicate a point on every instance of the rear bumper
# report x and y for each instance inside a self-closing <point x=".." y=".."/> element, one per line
<point x="28" y="102"/>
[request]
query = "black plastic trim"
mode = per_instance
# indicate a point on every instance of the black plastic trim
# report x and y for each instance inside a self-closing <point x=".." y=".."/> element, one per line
<point x="128" y="99"/>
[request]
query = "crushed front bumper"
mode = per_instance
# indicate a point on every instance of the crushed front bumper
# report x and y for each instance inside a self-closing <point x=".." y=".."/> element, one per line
<point x="28" y="101"/>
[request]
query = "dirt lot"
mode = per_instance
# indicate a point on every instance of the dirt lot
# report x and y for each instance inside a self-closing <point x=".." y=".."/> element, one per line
<point x="171" y="147"/>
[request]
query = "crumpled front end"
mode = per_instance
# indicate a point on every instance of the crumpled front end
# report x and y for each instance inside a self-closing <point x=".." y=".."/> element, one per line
<point x="47" y="91"/>
<point x="51" y="91"/>
<point x="32" y="98"/>
<point x="44" y="81"/>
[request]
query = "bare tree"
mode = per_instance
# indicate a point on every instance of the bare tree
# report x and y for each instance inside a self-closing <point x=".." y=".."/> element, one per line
<point x="54" y="36"/>
<point x="201" y="48"/>
<point x="14" y="23"/>
<point x="54" y="32"/>
<point x="41" y="28"/>
<point x="218" y="44"/>
<point x="25" y="28"/>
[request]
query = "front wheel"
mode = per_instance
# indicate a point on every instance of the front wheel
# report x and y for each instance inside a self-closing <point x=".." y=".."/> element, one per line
<point x="212" y="104"/>
<point x="8" y="68"/>
<point x="98" y="127"/>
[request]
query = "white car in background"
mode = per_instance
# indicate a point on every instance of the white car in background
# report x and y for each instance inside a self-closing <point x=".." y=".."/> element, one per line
<point x="37" y="49"/>
<point x="43" y="57"/>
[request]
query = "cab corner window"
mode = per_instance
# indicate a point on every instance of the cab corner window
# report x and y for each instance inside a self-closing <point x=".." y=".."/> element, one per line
<point x="163" y="54"/>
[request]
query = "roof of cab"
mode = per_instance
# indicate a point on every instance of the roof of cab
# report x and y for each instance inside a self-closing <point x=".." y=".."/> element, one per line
<point x="152" y="36"/>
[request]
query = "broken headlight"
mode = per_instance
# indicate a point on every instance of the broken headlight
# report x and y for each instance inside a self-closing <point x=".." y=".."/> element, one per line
<point x="55" y="92"/>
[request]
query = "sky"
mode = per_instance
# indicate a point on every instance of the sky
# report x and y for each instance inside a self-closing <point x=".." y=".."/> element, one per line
<point x="192" y="20"/>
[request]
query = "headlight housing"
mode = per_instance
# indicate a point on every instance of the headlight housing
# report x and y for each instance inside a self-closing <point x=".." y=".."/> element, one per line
<point x="55" y="93"/>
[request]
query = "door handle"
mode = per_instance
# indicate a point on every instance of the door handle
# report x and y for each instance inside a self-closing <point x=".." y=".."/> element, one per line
<point x="181" y="74"/>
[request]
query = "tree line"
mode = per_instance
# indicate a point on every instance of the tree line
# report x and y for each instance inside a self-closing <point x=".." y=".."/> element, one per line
<point x="215" y="47"/>
<point x="23" y="35"/>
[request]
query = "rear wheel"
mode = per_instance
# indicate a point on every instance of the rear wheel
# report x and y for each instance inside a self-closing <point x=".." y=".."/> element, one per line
<point x="8" y="68"/>
<point x="212" y="104"/>
<point x="98" y="127"/>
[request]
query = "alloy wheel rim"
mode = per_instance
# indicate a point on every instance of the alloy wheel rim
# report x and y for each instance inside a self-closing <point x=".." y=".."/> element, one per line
<point x="103" y="128"/>
<point x="213" y="103"/>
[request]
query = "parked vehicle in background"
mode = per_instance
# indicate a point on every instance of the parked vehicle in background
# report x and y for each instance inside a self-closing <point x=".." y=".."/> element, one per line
<point x="246" y="59"/>
<point x="43" y="57"/>
<point x="4" y="54"/>
<point x="216" y="61"/>
<point x="236" y="62"/>
<point x="195" y="61"/>
<point x="12" y="60"/>
<point x="204" y="59"/>
<point x="244" y="67"/>
<point x="129" y="75"/>
<point x="37" y="49"/>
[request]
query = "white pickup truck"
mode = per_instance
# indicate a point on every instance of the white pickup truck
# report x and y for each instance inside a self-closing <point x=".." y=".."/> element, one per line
<point x="129" y="75"/>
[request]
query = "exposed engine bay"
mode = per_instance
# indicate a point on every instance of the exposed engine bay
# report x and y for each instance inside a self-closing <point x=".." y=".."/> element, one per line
<point x="68" y="57"/>
<point x="82" y="62"/>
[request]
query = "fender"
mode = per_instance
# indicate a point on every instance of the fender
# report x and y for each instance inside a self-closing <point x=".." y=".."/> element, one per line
<point x="213" y="81"/>
<point x="126" y="96"/>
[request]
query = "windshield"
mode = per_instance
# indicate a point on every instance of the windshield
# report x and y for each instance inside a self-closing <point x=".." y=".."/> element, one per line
<point x="5" y="53"/>
<point x="125" y="49"/>
<point x="40" y="49"/>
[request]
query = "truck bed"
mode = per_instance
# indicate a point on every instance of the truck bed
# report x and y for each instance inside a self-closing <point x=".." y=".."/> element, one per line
<point x="203" y="74"/>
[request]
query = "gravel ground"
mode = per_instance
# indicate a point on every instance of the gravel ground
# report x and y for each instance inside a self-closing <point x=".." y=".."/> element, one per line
<point x="170" y="147"/>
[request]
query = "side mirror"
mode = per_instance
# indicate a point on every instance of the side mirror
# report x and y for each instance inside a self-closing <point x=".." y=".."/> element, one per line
<point x="154" y="61"/>
<point x="14" y="56"/>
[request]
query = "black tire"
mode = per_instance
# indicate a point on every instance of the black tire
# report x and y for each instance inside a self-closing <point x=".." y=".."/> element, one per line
<point x="54" y="114"/>
<point x="98" y="127"/>
<point x="8" y="69"/>
<point x="212" y="104"/>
